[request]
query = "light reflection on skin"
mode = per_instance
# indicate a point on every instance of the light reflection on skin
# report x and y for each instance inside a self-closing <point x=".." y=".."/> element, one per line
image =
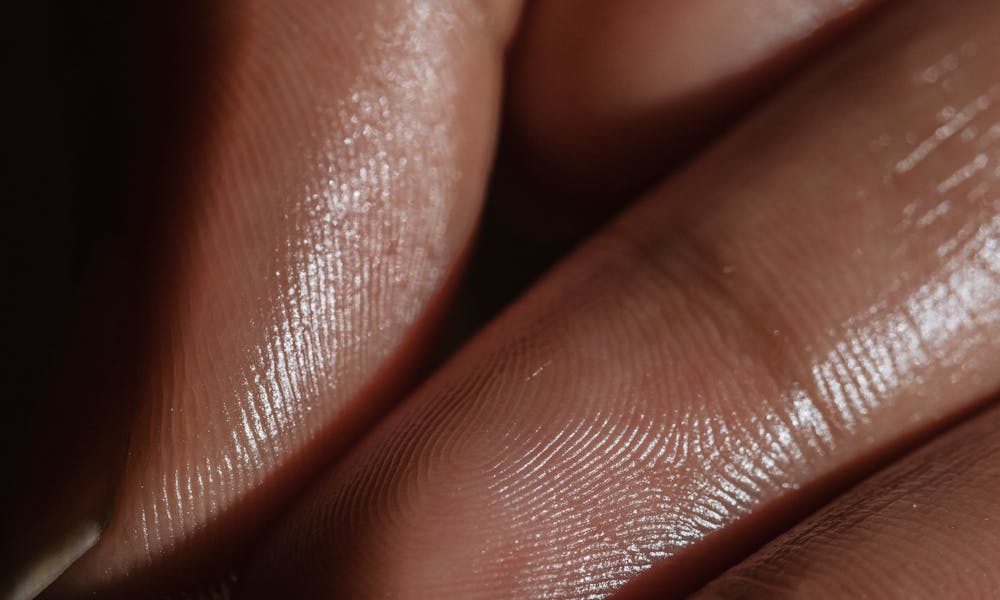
<point x="632" y="487"/>
<point x="348" y="239"/>
<point x="570" y="472"/>
<point x="945" y="132"/>
<point x="674" y="485"/>
<point x="347" y="245"/>
<point x="658" y="489"/>
<point x="886" y="354"/>
<point x="347" y="231"/>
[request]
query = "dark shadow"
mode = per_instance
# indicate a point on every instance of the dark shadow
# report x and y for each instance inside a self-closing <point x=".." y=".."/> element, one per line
<point x="107" y="116"/>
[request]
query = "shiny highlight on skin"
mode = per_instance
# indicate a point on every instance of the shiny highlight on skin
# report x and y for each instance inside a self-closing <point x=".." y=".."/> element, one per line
<point x="335" y="200"/>
<point x="925" y="527"/>
<point x="767" y="317"/>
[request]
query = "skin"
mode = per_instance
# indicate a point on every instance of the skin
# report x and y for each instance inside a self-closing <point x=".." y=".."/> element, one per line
<point x="332" y="207"/>
<point x="606" y="95"/>
<point x="691" y="381"/>
<point x="765" y="319"/>
<point x="924" y="528"/>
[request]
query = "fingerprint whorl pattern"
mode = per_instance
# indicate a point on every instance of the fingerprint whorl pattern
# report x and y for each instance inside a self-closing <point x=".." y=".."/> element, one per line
<point x="647" y="460"/>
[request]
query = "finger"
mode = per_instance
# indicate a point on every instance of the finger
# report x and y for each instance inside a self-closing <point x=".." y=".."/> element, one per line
<point x="606" y="95"/>
<point x="830" y="286"/>
<point x="340" y="182"/>
<point x="924" y="528"/>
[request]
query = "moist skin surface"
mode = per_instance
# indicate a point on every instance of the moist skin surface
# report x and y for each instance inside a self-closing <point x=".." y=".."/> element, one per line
<point x="821" y="284"/>
<point x="339" y="187"/>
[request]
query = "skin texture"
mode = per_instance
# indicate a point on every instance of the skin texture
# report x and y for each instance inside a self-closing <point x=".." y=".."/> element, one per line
<point x="339" y="186"/>
<point x="924" y="528"/>
<point x="823" y="283"/>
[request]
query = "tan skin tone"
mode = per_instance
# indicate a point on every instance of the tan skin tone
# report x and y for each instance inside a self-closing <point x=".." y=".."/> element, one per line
<point x="798" y="303"/>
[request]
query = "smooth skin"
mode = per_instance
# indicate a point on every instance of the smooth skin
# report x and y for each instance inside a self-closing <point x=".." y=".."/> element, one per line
<point x="799" y="303"/>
